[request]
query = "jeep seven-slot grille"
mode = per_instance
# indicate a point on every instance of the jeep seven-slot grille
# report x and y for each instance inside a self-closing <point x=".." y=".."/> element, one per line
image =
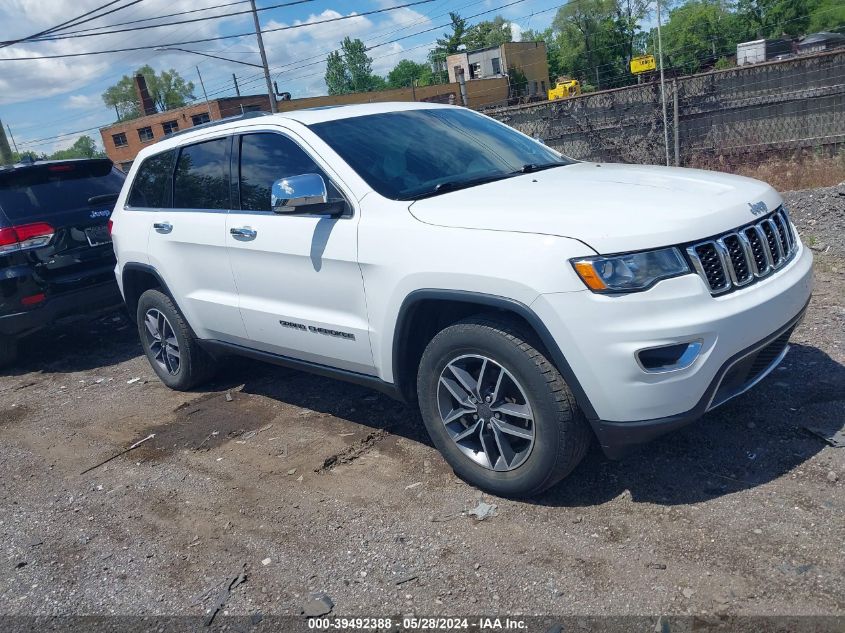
<point x="742" y="256"/>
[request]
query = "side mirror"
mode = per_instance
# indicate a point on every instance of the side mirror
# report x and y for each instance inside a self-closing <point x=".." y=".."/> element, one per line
<point x="299" y="194"/>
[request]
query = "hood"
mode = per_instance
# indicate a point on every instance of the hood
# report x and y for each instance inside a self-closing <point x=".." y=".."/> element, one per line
<point x="612" y="208"/>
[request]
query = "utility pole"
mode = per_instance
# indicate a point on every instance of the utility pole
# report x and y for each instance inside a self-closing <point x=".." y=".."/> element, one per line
<point x="270" y="92"/>
<point x="662" y="85"/>
<point x="13" y="138"/>
<point x="207" y="104"/>
<point x="237" y="90"/>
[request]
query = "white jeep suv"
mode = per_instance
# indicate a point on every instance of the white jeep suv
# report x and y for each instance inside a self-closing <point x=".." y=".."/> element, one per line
<point x="526" y="301"/>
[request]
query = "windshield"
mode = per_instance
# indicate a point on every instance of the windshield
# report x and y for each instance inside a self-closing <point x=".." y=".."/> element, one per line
<point x="42" y="190"/>
<point x="418" y="153"/>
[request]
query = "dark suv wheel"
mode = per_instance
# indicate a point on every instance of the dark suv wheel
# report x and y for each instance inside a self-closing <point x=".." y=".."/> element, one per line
<point x="498" y="410"/>
<point x="169" y="344"/>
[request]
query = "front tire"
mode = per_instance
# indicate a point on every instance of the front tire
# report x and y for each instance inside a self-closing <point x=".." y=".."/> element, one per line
<point x="171" y="348"/>
<point x="498" y="410"/>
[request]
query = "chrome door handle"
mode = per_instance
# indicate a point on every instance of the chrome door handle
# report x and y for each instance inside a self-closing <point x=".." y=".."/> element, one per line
<point x="244" y="232"/>
<point x="163" y="227"/>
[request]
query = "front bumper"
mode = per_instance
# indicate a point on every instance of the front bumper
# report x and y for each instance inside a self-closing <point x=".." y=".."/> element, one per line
<point x="739" y="374"/>
<point x="599" y="336"/>
<point x="89" y="300"/>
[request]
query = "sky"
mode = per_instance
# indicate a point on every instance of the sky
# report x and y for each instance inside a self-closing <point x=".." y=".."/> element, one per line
<point x="49" y="103"/>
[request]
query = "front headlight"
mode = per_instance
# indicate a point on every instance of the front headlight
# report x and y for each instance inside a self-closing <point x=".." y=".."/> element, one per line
<point x="629" y="272"/>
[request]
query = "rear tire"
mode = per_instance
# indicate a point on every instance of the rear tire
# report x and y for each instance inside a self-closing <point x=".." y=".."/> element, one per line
<point x="170" y="346"/>
<point x="514" y="435"/>
<point x="8" y="351"/>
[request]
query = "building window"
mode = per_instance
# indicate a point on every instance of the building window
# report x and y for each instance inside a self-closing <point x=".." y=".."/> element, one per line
<point x="145" y="134"/>
<point x="497" y="66"/>
<point x="543" y="86"/>
<point x="199" y="119"/>
<point x="119" y="139"/>
<point x="170" y="127"/>
<point x="475" y="71"/>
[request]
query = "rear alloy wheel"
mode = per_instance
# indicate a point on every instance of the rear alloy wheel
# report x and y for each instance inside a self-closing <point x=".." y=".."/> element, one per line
<point x="497" y="408"/>
<point x="161" y="341"/>
<point x="170" y="346"/>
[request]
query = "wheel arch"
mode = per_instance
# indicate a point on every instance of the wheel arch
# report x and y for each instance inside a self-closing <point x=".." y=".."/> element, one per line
<point x="425" y="312"/>
<point x="137" y="279"/>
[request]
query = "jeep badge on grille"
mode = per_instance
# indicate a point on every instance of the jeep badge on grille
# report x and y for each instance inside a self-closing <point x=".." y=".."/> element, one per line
<point x="758" y="208"/>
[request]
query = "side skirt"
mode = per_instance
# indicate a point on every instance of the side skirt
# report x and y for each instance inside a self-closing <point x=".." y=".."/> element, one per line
<point x="220" y="348"/>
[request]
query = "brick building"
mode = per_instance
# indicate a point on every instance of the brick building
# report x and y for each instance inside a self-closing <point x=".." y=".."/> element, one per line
<point x="497" y="61"/>
<point x="122" y="141"/>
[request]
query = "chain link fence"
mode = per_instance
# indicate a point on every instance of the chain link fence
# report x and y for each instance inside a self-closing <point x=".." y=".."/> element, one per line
<point x="742" y="113"/>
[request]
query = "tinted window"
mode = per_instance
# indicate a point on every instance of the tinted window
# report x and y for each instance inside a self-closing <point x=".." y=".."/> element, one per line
<point x="202" y="176"/>
<point x="42" y="190"/>
<point x="407" y="154"/>
<point x="266" y="158"/>
<point x="151" y="187"/>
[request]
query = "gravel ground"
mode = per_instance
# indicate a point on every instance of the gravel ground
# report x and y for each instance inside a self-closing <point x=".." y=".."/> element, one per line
<point x="316" y="485"/>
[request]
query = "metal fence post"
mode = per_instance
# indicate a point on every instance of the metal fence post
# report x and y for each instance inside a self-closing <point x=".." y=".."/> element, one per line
<point x="676" y="126"/>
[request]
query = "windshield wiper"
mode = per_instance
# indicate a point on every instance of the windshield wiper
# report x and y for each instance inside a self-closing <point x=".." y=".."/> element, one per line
<point x="530" y="168"/>
<point x="454" y="185"/>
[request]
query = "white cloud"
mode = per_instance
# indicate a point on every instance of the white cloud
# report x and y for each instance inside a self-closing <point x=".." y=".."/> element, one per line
<point x="516" y="30"/>
<point x="41" y="78"/>
<point x="78" y="102"/>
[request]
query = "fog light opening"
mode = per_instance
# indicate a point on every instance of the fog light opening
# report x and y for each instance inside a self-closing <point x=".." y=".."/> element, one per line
<point x="657" y="360"/>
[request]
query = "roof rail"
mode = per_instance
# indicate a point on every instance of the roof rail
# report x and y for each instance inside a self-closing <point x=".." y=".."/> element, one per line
<point x="228" y="119"/>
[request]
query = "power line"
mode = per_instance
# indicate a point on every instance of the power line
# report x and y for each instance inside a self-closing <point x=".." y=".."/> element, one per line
<point x="68" y="36"/>
<point x="157" y="17"/>
<point x="73" y="21"/>
<point x="613" y="81"/>
<point x="218" y="38"/>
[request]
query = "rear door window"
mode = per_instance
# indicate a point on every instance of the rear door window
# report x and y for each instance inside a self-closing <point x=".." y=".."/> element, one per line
<point x="44" y="190"/>
<point x="202" y="176"/>
<point x="153" y="182"/>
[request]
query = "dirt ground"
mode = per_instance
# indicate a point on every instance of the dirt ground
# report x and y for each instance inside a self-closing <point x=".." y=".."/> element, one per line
<point x="319" y="486"/>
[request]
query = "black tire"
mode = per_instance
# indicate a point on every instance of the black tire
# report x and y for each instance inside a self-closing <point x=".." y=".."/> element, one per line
<point x="8" y="351"/>
<point x="195" y="366"/>
<point x="561" y="433"/>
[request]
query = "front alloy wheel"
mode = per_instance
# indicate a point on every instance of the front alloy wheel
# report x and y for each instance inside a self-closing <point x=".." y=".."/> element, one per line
<point x="497" y="408"/>
<point x="162" y="342"/>
<point x="485" y="412"/>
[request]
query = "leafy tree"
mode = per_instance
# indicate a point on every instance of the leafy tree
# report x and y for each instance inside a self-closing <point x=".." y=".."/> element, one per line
<point x="699" y="32"/>
<point x="168" y="90"/>
<point x="337" y="80"/>
<point x="407" y="72"/>
<point x="84" y="147"/>
<point x="627" y="15"/>
<point x="351" y="70"/>
<point x="447" y="45"/>
<point x="827" y="15"/>
<point x="587" y="39"/>
<point x="774" y="18"/>
<point x="488" y="33"/>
